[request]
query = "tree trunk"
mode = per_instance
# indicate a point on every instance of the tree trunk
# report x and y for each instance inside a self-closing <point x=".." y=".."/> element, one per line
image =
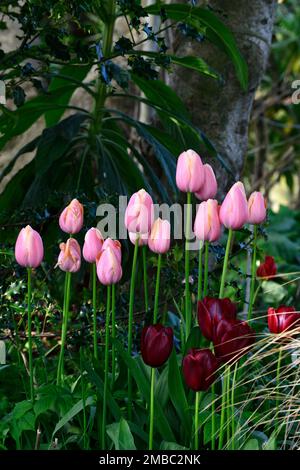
<point x="222" y="111"/>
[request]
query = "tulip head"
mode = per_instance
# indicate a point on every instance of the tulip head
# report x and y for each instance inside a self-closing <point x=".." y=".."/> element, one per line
<point x="234" y="208"/>
<point x="232" y="340"/>
<point x="160" y="236"/>
<point x="211" y="311"/>
<point x="283" y="318"/>
<point x="156" y="344"/>
<point x="141" y="237"/>
<point x="210" y="187"/>
<point x="257" y="210"/>
<point x="115" y="246"/>
<point x="109" y="269"/>
<point x="267" y="269"/>
<point x="199" y="367"/>
<point x="29" y="249"/>
<point x="69" y="259"/>
<point x="189" y="172"/>
<point x="71" y="218"/>
<point x="207" y="225"/>
<point x="139" y="213"/>
<point x="92" y="246"/>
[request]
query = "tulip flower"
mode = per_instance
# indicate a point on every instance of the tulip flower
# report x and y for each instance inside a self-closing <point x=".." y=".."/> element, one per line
<point x="267" y="269"/>
<point x="282" y="319"/>
<point x="92" y="246"/>
<point x="115" y="246"/>
<point x="109" y="269"/>
<point x="234" y="208"/>
<point x="199" y="367"/>
<point x="207" y="225"/>
<point x="156" y="344"/>
<point x="139" y="213"/>
<point x="69" y="259"/>
<point x="71" y="218"/>
<point x="232" y="340"/>
<point x="141" y="238"/>
<point x="189" y="172"/>
<point x="210" y="187"/>
<point x="257" y="211"/>
<point x="29" y="253"/>
<point x="29" y="250"/>
<point x="211" y="311"/>
<point x="160" y="236"/>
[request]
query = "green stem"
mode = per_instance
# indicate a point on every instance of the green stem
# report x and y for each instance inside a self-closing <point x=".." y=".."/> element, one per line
<point x="232" y="406"/>
<point x="225" y="263"/>
<point x="253" y="273"/>
<point x="83" y="401"/>
<point x="277" y="390"/>
<point x="145" y="278"/>
<point x="60" y="368"/>
<point x="199" y="292"/>
<point x="223" y="406"/>
<point x="106" y="365"/>
<point x="213" y="421"/>
<point x="196" y="420"/>
<point x="155" y="311"/>
<point x="205" y="269"/>
<point x="30" y="360"/>
<point x="151" y="427"/>
<point x="130" y="323"/>
<point x="188" y="319"/>
<point x="113" y="331"/>
<point x="94" y="272"/>
<point x="228" y="406"/>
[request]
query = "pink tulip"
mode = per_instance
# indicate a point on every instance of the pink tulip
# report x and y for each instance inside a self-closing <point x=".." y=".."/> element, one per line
<point x="92" y="246"/>
<point x="69" y="259"/>
<point x="141" y="237"/>
<point x="29" y="250"/>
<point x="234" y="209"/>
<point x="109" y="269"/>
<point x="256" y="208"/>
<point x="207" y="225"/>
<point x="115" y="246"/>
<point x="71" y="218"/>
<point x="160" y="236"/>
<point x="139" y="212"/>
<point x="209" y="188"/>
<point x="189" y="172"/>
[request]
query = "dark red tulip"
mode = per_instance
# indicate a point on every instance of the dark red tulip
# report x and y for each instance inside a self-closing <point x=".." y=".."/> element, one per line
<point x="199" y="367"/>
<point x="212" y="310"/>
<point x="282" y="319"/>
<point x="232" y="340"/>
<point x="156" y="344"/>
<point x="267" y="269"/>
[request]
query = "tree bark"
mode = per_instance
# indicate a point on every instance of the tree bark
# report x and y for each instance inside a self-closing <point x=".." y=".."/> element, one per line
<point x="222" y="111"/>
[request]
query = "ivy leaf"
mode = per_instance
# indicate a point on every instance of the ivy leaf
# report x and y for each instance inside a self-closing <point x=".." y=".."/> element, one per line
<point x="123" y="45"/>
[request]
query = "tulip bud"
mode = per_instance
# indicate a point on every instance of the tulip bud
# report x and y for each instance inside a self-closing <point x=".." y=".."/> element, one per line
<point x="207" y="225"/>
<point x="189" y="172"/>
<point x="199" y="367"/>
<point x="210" y="187"/>
<point x="29" y="250"/>
<point x="92" y="246"/>
<point x="232" y="340"/>
<point x="109" y="269"/>
<point x="115" y="246"/>
<point x="69" y="259"/>
<point x="71" y="218"/>
<point x="211" y="311"/>
<point x="160" y="236"/>
<point x="283" y="318"/>
<point x="267" y="269"/>
<point x="257" y="210"/>
<point x="141" y="237"/>
<point x="139" y="213"/>
<point x="234" y="209"/>
<point x="156" y="344"/>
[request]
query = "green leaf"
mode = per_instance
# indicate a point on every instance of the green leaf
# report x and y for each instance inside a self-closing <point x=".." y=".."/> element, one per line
<point x="252" y="444"/>
<point x="121" y="435"/>
<point x="171" y="446"/>
<point x="194" y="339"/>
<point x="77" y="408"/>
<point x="177" y="393"/>
<point x="215" y="30"/>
